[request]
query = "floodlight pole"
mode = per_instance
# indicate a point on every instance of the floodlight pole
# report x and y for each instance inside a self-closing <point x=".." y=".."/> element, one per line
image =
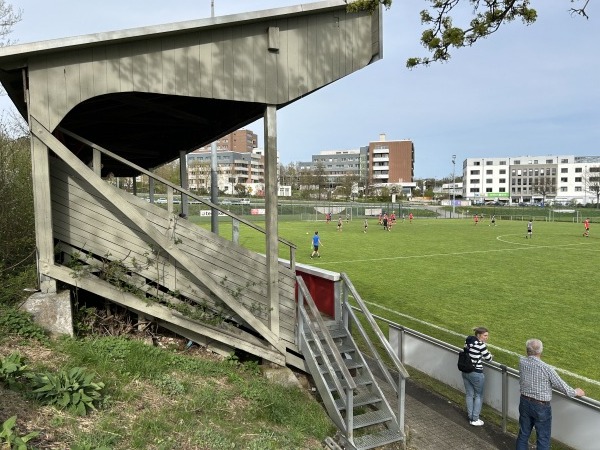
<point x="453" y="185"/>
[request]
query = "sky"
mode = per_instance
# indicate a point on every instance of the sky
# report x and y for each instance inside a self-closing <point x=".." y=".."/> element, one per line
<point x="526" y="90"/>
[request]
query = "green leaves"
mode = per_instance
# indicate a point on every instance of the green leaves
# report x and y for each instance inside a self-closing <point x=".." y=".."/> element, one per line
<point x="12" y="368"/>
<point x="10" y="437"/>
<point x="487" y="17"/>
<point x="73" y="390"/>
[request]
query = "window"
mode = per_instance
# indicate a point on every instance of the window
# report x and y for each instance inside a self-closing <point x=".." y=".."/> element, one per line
<point x="489" y="163"/>
<point x="502" y="172"/>
<point x="502" y="163"/>
<point x="489" y="172"/>
<point x="549" y="161"/>
<point x="563" y="189"/>
<point x="502" y="180"/>
<point x="535" y="161"/>
<point x="564" y="161"/>
<point x="476" y="163"/>
<point x="578" y="170"/>
<point x="563" y="180"/>
<point x="475" y="181"/>
<point x="474" y="190"/>
<point x="578" y="189"/>
<point x="564" y="170"/>
<point x="517" y="162"/>
<point x="577" y="179"/>
<point x="502" y="190"/>
<point x="474" y="172"/>
<point x="489" y="180"/>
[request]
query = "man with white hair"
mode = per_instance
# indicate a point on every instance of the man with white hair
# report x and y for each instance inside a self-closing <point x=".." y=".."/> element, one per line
<point x="537" y="381"/>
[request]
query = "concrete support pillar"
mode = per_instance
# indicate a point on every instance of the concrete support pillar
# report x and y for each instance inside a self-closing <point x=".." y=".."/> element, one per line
<point x="270" y="121"/>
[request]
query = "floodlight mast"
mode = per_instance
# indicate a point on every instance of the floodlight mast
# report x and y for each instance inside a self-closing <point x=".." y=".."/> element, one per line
<point x="453" y="184"/>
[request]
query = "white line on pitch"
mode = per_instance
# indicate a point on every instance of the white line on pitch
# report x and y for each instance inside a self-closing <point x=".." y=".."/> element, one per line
<point x="432" y="255"/>
<point x="510" y="352"/>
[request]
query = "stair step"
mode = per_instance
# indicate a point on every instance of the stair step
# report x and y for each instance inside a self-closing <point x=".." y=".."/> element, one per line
<point x="338" y="332"/>
<point x="371" y="418"/>
<point x="360" y="380"/>
<point x="343" y="347"/>
<point x="377" y="439"/>
<point x="349" y="363"/>
<point x="361" y="399"/>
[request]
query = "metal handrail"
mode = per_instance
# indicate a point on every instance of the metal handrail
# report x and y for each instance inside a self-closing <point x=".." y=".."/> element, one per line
<point x="319" y="320"/>
<point x="171" y="185"/>
<point x="373" y="324"/>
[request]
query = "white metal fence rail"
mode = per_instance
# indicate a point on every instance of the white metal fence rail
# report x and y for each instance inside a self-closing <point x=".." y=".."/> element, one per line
<point x="576" y="422"/>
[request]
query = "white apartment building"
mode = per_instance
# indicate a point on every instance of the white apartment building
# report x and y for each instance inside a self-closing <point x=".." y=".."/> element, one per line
<point x="531" y="179"/>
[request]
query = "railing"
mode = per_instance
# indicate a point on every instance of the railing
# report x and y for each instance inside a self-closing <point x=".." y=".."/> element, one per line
<point x="575" y="419"/>
<point x="236" y="220"/>
<point x="306" y="325"/>
<point x="347" y="315"/>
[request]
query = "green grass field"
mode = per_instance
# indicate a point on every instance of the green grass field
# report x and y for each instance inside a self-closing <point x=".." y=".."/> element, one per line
<point x="443" y="277"/>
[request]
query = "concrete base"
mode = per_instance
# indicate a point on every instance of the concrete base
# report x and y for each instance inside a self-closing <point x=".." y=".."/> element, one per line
<point x="53" y="312"/>
<point x="281" y="375"/>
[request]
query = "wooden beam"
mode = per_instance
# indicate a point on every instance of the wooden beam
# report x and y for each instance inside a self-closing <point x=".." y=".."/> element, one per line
<point x="121" y="203"/>
<point x="143" y="307"/>
<point x="270" y="120"/>
<point x="42" y="205"/>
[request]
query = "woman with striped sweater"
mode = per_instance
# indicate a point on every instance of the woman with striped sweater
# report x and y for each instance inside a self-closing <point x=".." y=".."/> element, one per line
<point x="474" y="381"/>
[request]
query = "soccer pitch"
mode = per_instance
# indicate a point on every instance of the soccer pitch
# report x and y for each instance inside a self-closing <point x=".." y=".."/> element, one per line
<point x="444" y="277"/>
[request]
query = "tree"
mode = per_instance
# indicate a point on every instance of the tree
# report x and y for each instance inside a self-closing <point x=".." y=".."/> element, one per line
<point x="442" y="34"/>
<point x="8" y="18"/>
<point x="199" y="173"/>
<point x="240" y="190"/>
<point x="592" y="183"/>
<point x="348" y="182"/>
<point x="545" y="185"/>
<point x="320" y="178"/>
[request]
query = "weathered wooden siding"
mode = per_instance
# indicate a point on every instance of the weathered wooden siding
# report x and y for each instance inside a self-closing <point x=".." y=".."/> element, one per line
<point x="88" y="222"/>
<point x="228" y="62"/>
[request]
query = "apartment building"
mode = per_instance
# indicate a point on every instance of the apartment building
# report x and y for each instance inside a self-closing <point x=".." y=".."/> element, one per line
<point x="531" y="179"/>
<point x="238" y="141"/>
<point x="391" y="162"/>
<point x="239" y="161"/>
<point x="342" y="163"/>
<point x="382" y="163"/>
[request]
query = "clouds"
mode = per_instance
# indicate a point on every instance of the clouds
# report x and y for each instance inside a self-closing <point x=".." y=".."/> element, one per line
<point x="525" y="90"/>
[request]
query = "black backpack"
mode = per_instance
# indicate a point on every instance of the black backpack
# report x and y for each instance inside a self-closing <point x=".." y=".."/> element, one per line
<point x="465" y="364"/>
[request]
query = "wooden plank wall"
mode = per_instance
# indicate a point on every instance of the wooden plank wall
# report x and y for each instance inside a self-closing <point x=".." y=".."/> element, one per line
<point x="88" y="222"/>
<point x="229" y="62"/>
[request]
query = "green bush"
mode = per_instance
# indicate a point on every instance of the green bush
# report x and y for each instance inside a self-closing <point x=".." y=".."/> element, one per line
<point x="10" y="439"/>
<point x="13" y="321"/>
<point x="12" y="368"/>
<point x="72" y="390"/>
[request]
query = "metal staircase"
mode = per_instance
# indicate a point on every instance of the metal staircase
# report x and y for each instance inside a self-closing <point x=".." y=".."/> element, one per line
<point x="350" y="391"/>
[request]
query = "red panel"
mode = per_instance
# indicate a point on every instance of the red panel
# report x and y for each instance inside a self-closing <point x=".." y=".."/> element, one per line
<point x="322" y="292"/>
